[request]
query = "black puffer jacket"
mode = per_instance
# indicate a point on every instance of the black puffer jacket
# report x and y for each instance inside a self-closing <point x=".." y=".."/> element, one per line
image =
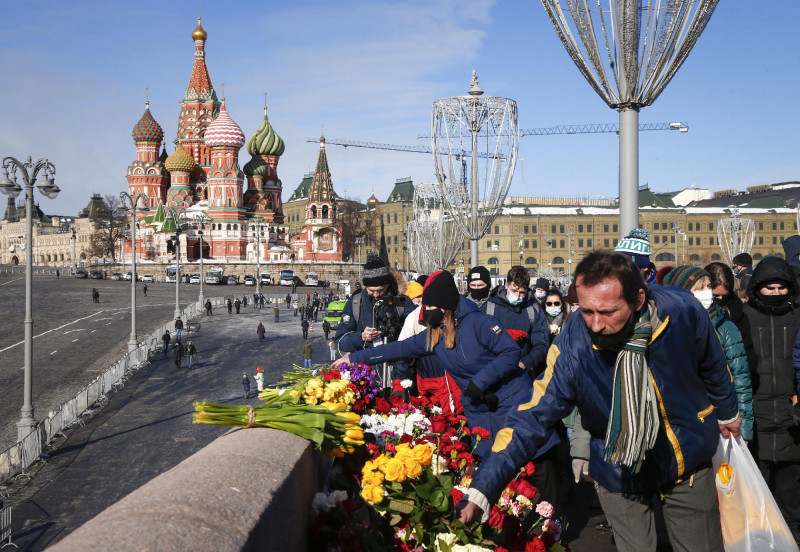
<point x="774" y="328"/>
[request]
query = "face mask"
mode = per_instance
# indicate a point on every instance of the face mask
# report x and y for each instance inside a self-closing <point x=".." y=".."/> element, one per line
<point x="540" y="294"/>
<point x="553" y="311"/>
<point x="615" y="340"/>
<point x="706" y="297"/>
<point x="479" y="294"/>
<point x="432" y="318"/>
<point x="774" y="300"/>
<point x="514" y="300"/>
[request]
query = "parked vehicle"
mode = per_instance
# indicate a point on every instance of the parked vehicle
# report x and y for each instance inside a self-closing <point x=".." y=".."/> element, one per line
<point x="266" y="279"/>
<point x="215" y="276"/>
<point x="96" y="275"/>
<point x="287" y="277"/>
<point x="172" y="272"/>
<point x="312" y="279"/>
<point x="81" y="273"/>
<point x="195" y="279"/>
<point x="232" y="279"/>
<point x="116" y="276"/>
<point x="147" y="278"/>
<point x="334" y="313"/>
<point x="249" y="280"/>
<point x="127" y="276"/>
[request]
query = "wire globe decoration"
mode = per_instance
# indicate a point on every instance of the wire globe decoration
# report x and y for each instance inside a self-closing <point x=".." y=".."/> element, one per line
<point x="436" y="238"/>
<point x="475" y="140"/>
<point x="735" y="235"/>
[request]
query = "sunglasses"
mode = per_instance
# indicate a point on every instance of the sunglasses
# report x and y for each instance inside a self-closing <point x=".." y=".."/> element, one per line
<point x="553" y="304"/>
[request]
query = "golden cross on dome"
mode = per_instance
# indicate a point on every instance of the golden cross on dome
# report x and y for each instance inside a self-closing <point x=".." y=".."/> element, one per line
<point x="223" y="91"/>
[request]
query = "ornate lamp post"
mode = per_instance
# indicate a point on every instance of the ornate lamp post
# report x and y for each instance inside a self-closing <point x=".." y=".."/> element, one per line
<point x="29" y="171"/>
<point x="177" y="214"/>
<point x="258" y="255"/>
<point x="521" y="235"/>
<point x="74" y="260"/>
<point x="133" y="201"/>
<point x="202" y="218"/>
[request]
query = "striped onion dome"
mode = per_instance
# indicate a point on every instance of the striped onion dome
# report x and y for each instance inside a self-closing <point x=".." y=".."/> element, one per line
<point x="255" y="167"/>
<point x="265" y="141"/>
<point x="223" y="131"/>
<point x="179" y="161"/>
<point x="147" y="129"/>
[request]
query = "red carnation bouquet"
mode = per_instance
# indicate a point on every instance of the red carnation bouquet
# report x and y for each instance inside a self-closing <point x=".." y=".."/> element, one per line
<point x="520" y="336"/>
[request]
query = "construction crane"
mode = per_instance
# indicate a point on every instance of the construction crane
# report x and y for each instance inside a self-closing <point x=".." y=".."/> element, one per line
<point x="545" y="131"/>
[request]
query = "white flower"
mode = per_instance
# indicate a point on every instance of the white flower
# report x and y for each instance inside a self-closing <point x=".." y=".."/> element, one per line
<point x="555" y="328"/>
<point x="346" y="375"/>
<point x="447" y="539"/>
<point x="435" y="410"/>
<point x="322" y="502"/>
<point x="439" y="465"/>
<point x="406" y="383"/>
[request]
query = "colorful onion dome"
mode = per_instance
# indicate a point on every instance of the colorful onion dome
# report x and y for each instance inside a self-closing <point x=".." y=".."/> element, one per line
<point x="147" y="129"/>
<point x="265" y="141"/>
<point x="223" y="131"/>
<point x="255" y="167"/>
<point x="199" y="33"/>
<point x="179" y="161"/>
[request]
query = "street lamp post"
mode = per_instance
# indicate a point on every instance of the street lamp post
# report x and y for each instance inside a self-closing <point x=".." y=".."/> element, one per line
<point x="203" y="219"/>
<point x="258" y="256"/>
<point x="48" y="188"/>
<point x="74" y="260"/>
<point x="133" y="200"/>
<point x="176" y="213"/>
<point x="520" y="248"/>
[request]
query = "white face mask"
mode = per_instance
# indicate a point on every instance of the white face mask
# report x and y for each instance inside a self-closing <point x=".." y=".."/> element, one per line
<point x="553" y="311"/>
<point x="706" y="297"/>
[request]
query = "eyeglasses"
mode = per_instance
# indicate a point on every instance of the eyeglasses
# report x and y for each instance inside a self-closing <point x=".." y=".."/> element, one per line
<point x="553" y="304"/>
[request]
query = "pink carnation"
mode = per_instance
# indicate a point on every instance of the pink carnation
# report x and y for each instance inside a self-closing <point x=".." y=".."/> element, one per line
<point x="544" y="509"/>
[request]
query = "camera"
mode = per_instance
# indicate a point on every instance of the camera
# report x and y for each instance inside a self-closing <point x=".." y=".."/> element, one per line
<point x="386" y="318"/>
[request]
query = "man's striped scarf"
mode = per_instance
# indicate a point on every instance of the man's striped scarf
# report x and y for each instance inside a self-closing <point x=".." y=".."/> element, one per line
<point x="633" y="423"/>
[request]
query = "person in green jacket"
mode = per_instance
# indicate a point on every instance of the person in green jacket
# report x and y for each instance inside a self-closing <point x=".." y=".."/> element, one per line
<point x="307" y="350"/>
<point x="698" y="282"/>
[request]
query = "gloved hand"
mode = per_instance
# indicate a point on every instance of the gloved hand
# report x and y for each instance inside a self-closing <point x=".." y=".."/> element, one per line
<point x="474" y="392"/>
<point x="490" y="400"/>
<point x="580" y="469"/>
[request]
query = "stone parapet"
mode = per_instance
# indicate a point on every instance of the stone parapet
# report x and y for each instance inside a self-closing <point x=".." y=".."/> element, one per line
<point x="248" y="490"/>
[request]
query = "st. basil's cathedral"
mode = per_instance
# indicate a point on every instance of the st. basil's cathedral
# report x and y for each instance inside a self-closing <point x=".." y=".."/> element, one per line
<point x="200" y="184"/>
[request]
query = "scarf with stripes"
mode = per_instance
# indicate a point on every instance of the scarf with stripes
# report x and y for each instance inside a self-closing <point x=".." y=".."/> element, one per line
<point x="633" y="423"/>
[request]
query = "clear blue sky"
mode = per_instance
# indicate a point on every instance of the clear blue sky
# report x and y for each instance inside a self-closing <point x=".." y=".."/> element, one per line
<point x="74" y="78"/>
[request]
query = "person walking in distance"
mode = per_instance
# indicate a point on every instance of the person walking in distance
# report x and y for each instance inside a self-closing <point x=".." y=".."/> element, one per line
<point x="246" y="386"/>
<point x="307" y="351"/>
<point x="277" y="312"/>
<point x="58" y="274"/>
<point x="95" y="295"/>
<point x="261" y="331"/>
<point x="237" y="305"/>
<point x="288" y="300"/>
<point x="166" y="338"/>
<point x="295" y="306"/>
<point x="190" y="352"/>
<point x="208" y="308"/>
<point x="230" y="306"/>
<point x="179" y="350"/>
<point x="304" y="325"/>
<point x="178" y="328"/>
<point x="260" y="379"/>
<point x="302" y="311"/>
<point x="144" y="289"/>
<point x="326" y="327"/>
<point x="244" y="301"/>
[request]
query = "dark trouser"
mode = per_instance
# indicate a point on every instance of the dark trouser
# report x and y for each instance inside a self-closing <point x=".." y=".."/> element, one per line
<point x="547" y="477"/>
<point x="305" y="334"/>
<point x="276" y="318"/>
<point x="783" y="479"/>
<point x="690" y="512"/>
<point x="178" y="359"/>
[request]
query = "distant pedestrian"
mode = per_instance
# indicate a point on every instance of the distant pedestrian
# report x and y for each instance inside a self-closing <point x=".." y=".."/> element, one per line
<point x="304" y="325"/>
<point x="237" y="305"/>
<point x="295" y="306"/>
<point x="58" y="274"/>
<point x="294" y="288"/>
<point x="230" y="306"/>
<point x="208" y="308"/>
<point x="179" y="350"/>
<point x="244" y="301"/>
<point x="332" y="345"/>
<point x="261" y="331"/>
<point x="302" y="311"/>
<point x="246" y="386"/>
<point x="260" y="378"/>
<point x="307" y="350"/>
<point x="261" y="300"/>
<point x="326" y="327"/>
<point x="289" y="300"/>
<point x="255" y="299"/>
<point x="316" y="312"/>
<point x="190" y="352"/>
<point x="166" y="339"/>
<point x="144" y="289"/>
<point x="277" y="311"/>
<point x="178" y="328"/>
<point x="95" y="295"/>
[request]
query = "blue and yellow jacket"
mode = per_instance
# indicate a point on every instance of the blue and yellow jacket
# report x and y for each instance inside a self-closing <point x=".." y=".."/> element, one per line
<point x="693" y="385"/>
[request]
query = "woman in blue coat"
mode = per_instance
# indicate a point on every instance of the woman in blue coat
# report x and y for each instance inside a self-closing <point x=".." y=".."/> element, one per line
<point x="472" y="347"/>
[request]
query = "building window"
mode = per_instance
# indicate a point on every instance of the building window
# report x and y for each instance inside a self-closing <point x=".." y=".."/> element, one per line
<point x="711" y="226"/>
<point x="760" y="225"/>
<point x="774" y="240"/>
<point x="558" y="260"/>
<point x="496" y="244"/>
<point x="711" y="241"/>
<point x="561" y="229"/>
<point x="605" y="229"/>
<point x="525" y="243"/>
<point x="533" y="229"/>
<point x="589" y="243"/>
<point x="488" y="244"/>
<point x="580" y="228"/>
<point x="616" y="229"/>
<point x="553" y="229"/>
<point x="496" y="229"/>
<point x="562" y="244"/>
<point x="588" y="227"/>
<point x="606" y="242"/>
<point x="691" y="240"/>
<point x="615" y="240"/>
<point x="526" y="229"/>
<point x="761" y="240"/>
<point x="656" y="238"/>
<point x="774" y="225"/>
<point x="535" y="244"/>
<point x="690" y="227"/>
<point x="531" y="261"/>
<point x="580" y="243"/>
<point x="781" y="225"/>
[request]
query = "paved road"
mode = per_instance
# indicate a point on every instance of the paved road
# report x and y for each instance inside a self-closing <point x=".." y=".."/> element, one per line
<point x="74" y="338"/>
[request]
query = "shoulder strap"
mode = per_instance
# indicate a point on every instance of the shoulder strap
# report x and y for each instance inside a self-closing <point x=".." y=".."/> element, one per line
<point x="357" y="307"/>
<point x="532" y="312"/>
<point x="490" y="308"/>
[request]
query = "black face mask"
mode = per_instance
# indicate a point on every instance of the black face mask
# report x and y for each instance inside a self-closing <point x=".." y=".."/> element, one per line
<point x="615" y="340"/>
<point x="479" y="294"/>
<point x="432" y="318"/>
<point x="774" y="300"/>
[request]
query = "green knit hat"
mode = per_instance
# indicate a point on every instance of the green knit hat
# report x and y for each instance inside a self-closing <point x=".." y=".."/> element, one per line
<point x="684" y="276"/>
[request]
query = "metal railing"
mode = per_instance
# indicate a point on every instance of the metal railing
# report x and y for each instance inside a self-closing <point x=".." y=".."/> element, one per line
<point x="18" y="457"/>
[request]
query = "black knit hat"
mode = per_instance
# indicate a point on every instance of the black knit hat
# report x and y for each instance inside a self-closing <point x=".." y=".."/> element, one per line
<point x="743" y="259"/>
<point x="376" y="273"/>
<point x="441" y="291"/>
<point x="542" y="283"/>
<point x="421" y="279"/>
<point x="479" y="273"/>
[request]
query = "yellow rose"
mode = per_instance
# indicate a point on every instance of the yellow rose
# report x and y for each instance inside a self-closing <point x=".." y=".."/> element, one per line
<point x="395" y="470"/>
<point x="413" y="468"/>
<point x="372" y="494"/>
<point x="372" y="477"/>
<point x="295" y="393"/>
<point x="403" y="449"/>
<point x="381" y="461"/>
<point x="423" y="453"/>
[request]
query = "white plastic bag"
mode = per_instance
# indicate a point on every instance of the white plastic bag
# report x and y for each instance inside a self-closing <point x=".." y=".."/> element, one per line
<point x="751" y="520"/>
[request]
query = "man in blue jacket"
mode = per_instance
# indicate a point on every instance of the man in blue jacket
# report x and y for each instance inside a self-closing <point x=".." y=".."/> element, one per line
<point x="357" y="328"/>
<point x="517" y="309"/>
<point x="649" y="378"/>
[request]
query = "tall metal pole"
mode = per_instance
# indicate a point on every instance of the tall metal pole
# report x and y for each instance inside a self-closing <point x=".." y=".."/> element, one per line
<point x="133" y="340"/>
<point x="258" y="256"/>
<point x="74" y="260"/>
<point x="177" y="312"/>
<point x="27" y="423"/>
<point x="628" y="170"/>
<point x="203" y="219"/>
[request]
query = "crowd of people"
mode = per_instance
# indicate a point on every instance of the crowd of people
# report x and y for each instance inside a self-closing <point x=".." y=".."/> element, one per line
<point x="629" y="376"/>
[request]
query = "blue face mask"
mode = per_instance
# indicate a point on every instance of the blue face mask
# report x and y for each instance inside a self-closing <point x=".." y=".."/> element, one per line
<point x="514" y="300"/>
<point x="540" y="294"/>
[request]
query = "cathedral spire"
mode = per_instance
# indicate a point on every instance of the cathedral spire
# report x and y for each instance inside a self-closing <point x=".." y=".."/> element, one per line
<point x="321" y="190"/>
<point x="200" y="87"/>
